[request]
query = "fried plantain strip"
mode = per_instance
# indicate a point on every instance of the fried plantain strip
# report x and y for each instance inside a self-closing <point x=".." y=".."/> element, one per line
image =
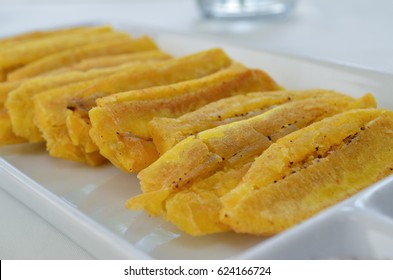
<point x="114" y="60"/>
<point x="110" y="44"/>
<point x="311" y="169"/>
<point x="49" y="114"/>
<point x="30" y="36"/>
<point x="7" y="135"/>
<point x="16" y="56"/>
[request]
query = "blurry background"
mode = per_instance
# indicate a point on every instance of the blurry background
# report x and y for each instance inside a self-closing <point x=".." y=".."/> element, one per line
<point x="351" y="31"/>
<point x="354" y="32"/>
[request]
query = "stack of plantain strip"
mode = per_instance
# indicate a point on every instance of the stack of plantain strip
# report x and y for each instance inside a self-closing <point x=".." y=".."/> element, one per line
<point x="186" y="183"/>
<point x="120" y="121"/>
<point x="311" y="169"/>
<point x="62" y="114"/>
<point x="20" y="101"/>
<point x="219" y="146"/>
<point x="167" y="132"/>
<point x="99" y="41"/>
<point x="22" y="52"/>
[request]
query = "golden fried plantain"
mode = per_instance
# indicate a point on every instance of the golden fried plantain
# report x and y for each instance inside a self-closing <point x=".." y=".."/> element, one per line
<point x="120" y="121"/>
<point x="311" y="169"/>
<point x="6" y="88"/>
<point x="167" y="132"/>
<point x="109" y="44"/>
<point x="19" y="102"/>
<point x="14" y="56"/>
<point x="72" y="107"/>
<point x="114" y="60"/>
<point x="186" y="183"/>
<point x="7" y="135"/>
<point x="30" y="36"/>
<point x="49" y="115"/>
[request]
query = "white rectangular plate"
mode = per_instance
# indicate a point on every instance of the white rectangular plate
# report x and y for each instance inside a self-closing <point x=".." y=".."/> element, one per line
<point x="87" y="204"/>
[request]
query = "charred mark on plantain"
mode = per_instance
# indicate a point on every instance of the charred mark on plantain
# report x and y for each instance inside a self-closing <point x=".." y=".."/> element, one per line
<point x="270" y="138"/>
<point x="72" y="108"/>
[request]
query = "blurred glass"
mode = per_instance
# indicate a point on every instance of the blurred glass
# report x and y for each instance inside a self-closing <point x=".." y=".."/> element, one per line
<point x="245" y="8"/>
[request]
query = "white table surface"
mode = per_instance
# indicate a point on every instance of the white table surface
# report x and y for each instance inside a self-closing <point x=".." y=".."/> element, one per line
<point x="356" y="32"/>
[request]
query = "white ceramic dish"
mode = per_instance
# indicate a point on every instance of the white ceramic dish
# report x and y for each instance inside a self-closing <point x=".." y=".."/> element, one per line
<point x="87" y="203"/>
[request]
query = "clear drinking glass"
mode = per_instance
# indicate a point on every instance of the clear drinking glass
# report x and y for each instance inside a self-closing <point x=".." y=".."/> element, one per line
<point x="245" y="8"/>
